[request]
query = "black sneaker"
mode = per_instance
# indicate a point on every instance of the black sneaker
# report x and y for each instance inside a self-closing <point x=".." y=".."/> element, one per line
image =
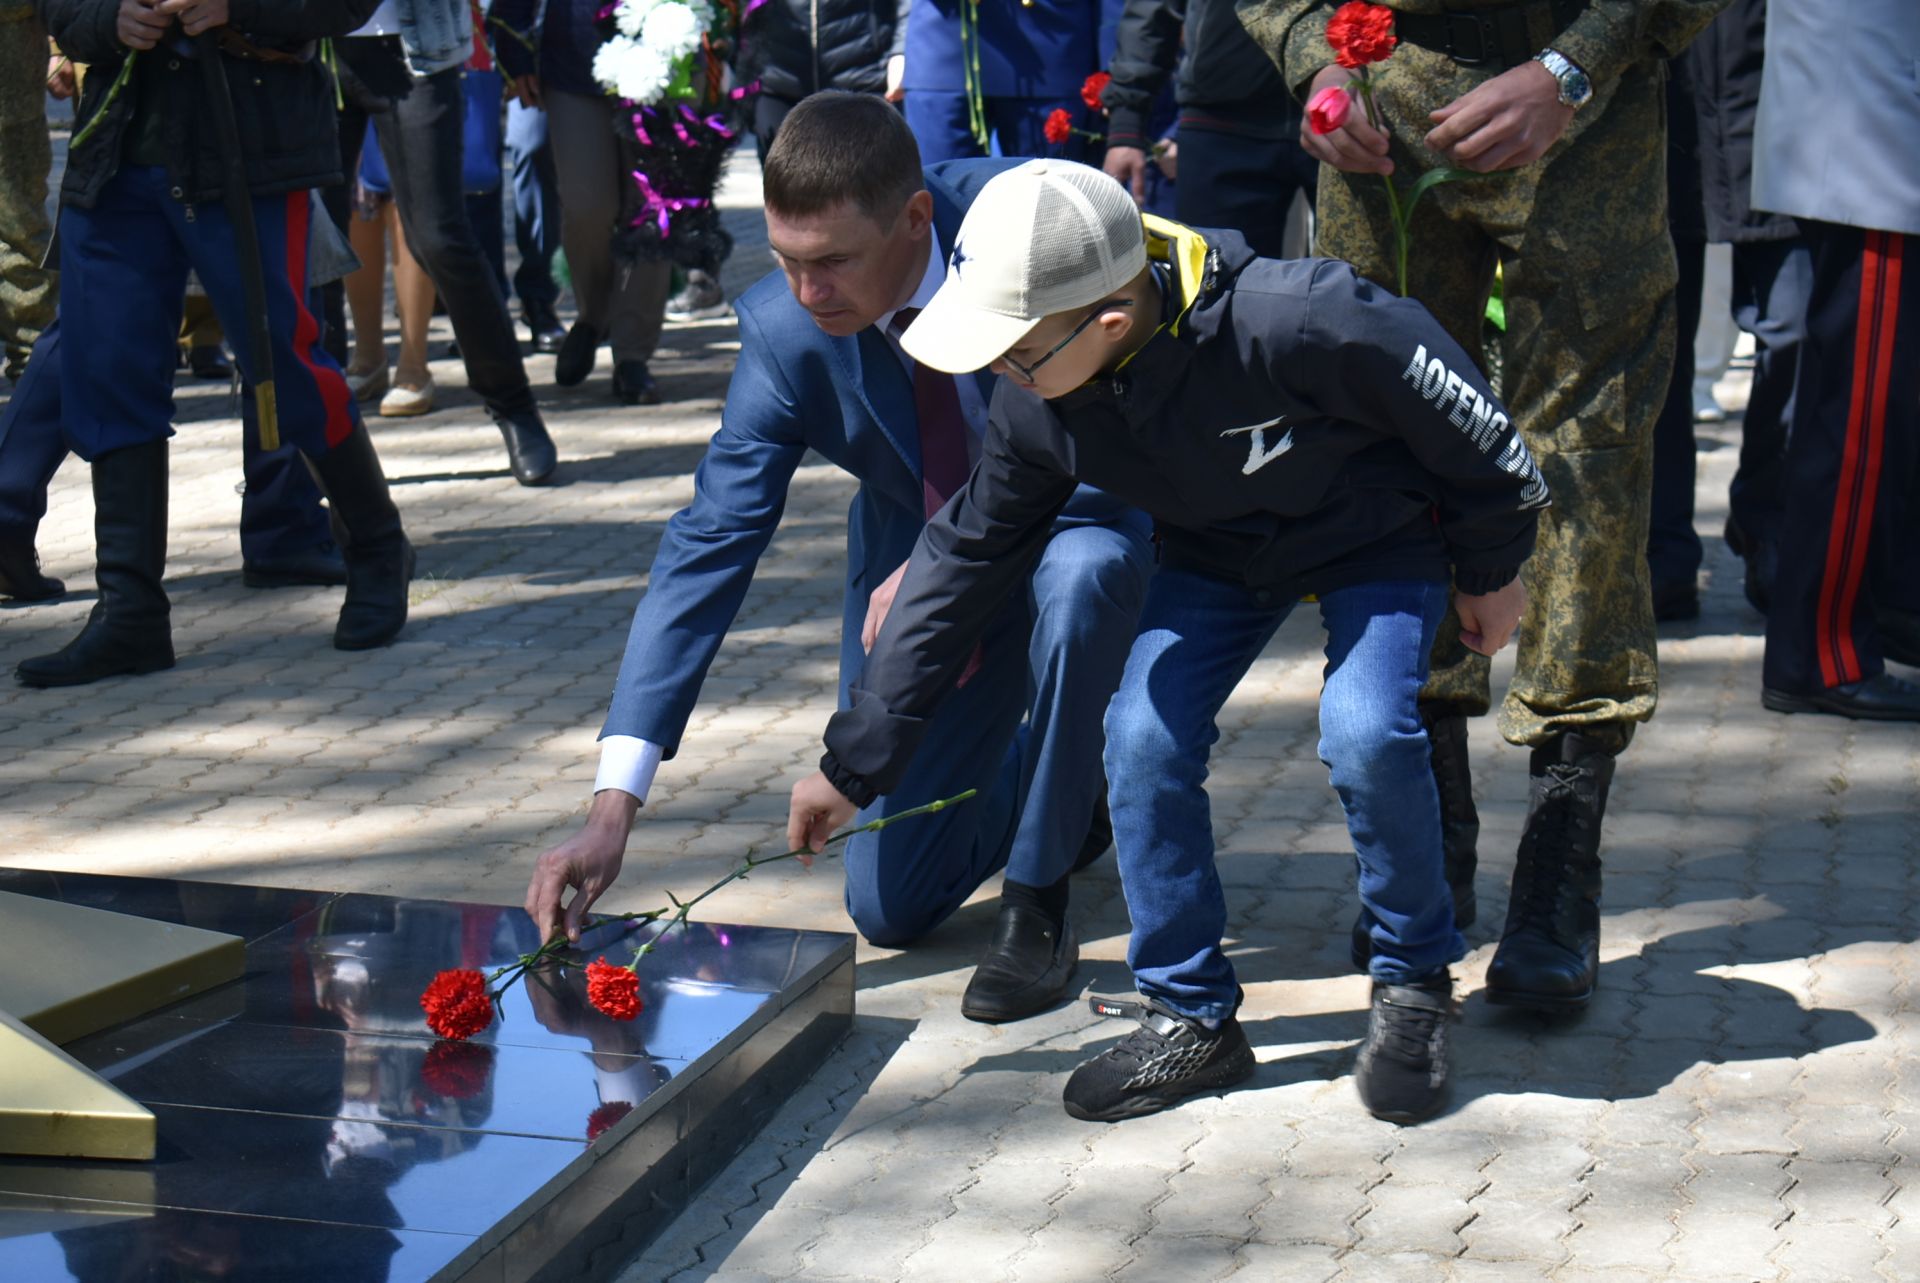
<point x="1402" y="1068"/>
<point x="1168" y="1058"/>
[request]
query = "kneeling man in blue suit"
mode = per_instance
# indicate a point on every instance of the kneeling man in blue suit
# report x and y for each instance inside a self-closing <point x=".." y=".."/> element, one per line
<point x="860" y="232"/>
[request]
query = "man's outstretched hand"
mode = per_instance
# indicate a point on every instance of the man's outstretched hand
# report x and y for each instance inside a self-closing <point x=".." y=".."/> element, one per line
<point x="817" y="812"/>
<point x="588" y="862"/>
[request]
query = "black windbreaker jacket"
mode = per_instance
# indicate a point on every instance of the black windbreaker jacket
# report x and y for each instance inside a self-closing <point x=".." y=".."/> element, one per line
<point x="1292" y="427"/>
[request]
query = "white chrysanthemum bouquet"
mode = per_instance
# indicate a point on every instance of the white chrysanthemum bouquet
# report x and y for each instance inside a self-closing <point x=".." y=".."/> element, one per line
<point x="649" y="58"/>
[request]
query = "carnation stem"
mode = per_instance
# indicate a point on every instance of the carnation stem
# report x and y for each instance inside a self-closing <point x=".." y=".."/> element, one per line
<point x="679" y="912"/>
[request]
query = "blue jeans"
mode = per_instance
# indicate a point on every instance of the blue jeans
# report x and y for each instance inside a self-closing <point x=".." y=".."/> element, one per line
<point x="1198" y="636"/>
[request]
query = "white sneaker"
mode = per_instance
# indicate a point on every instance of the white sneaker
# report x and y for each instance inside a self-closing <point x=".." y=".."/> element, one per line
<point x="403" y="402"/>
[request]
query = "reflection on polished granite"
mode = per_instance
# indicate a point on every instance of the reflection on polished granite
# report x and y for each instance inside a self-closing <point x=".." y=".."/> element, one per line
<point x="311" y="1127"/>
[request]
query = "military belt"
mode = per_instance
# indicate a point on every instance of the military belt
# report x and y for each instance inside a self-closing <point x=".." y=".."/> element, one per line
<point x="1500" y="38"/>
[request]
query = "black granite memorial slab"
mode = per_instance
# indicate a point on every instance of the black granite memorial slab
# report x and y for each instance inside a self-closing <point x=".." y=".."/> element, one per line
<point x="311" y="1128"/>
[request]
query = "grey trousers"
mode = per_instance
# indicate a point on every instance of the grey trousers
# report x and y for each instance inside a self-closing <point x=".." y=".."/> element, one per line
<point x="624" y="301"/>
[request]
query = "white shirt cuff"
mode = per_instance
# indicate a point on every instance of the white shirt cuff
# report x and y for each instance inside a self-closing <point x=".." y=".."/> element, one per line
<point x="627" y="763"/>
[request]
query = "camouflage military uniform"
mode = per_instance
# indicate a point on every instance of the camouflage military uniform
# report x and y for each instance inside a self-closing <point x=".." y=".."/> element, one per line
<point x="26" y="292"/>
<point x="1588" y="276"/>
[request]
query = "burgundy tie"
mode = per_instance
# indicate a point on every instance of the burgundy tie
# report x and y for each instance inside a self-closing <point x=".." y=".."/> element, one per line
<point x="944" y="462"/>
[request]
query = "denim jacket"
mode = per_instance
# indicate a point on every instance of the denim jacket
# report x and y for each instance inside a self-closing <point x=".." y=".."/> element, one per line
<point x="436" y="34"/>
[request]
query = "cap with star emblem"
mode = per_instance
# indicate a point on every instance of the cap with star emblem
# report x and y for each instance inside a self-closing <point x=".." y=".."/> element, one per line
<point x="1049" y="236"/>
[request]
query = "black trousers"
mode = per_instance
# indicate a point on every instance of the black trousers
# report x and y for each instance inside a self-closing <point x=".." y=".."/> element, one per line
<point x="1771" y="281"/>
<point x="1673" y="546"/>
<point x="422" y="140"/>
<point x="1852" y="451"/>
<point x="1228" y="179"/>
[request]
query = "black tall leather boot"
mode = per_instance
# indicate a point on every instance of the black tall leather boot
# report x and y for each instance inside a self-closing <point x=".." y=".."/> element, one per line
<point x="1549" y="954"/>
<point x="379" y="558"/>
<point x="128" y="630"/>
<point x="1459" y="824"/>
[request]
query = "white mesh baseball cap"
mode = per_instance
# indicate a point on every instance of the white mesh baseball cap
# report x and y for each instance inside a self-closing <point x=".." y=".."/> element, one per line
<point x="1050" y="236"/>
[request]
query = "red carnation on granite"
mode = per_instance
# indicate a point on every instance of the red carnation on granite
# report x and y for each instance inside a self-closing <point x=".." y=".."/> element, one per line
<point x="1361" y="33"/>
<point x="606" y="1116"/>
<point x="1059" y="126"/>
<point x="1091" y="91"/>
<point x="457" y="1070"/>
<point x="614" y="991"/>
<point x="457" y="1004"/>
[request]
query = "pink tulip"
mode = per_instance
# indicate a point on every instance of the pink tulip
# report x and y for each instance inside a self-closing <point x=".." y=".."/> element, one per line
<point x="1327" y="110"/>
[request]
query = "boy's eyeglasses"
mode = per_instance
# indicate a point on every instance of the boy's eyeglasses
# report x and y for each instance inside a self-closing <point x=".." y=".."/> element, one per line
<point x="1027" y="371"/>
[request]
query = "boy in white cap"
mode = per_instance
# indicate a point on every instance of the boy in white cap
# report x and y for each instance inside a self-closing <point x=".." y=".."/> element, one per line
<point x="1293" y="430"/>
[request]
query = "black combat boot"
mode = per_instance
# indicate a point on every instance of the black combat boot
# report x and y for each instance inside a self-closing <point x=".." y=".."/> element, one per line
<point x="379" y="558"/>
<point x="128" y="630"/>
<point x="1549" y="954"/>
<point x="1459" y="824"/>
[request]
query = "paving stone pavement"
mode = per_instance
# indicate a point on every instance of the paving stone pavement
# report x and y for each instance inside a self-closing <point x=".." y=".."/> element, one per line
<point x="1741" y="1103"/>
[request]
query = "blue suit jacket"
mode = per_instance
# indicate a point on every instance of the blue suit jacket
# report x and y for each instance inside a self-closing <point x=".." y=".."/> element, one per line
<point x="794" y="388"/>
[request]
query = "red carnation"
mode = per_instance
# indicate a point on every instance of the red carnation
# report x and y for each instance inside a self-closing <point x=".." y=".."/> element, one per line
<point x="606" y="1116"/>
<point x="457" y="1004"/>
<point x="1059" y="126"/>
<point x="1091" y="91"/>
<point x="1361" y="33"/>
<point x="615" y="991"/>
<point x="457" y="1070"/>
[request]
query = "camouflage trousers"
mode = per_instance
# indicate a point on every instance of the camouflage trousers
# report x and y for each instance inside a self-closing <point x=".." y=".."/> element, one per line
<point x="1588" y="272"/>
<point x="26" y="292"/>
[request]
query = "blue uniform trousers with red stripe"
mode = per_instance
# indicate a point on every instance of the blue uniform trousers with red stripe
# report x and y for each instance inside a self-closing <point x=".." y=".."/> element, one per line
<point x="280" y="513"/>
<point x="123" y="269"/>
<point x="1853" y="458"/>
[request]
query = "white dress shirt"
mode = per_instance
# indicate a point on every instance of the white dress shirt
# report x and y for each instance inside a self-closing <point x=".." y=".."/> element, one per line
<point x="629" y="763"/>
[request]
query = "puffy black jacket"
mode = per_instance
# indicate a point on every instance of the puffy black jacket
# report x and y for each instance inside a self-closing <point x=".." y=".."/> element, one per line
<point x="285" y="110"/>
<point x="1224" y="77"/>
<point x="1294" y="428"/>
<point x="794" y="47"/>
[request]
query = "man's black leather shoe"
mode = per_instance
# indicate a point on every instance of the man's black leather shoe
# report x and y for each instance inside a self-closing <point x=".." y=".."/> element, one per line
<point x="1880" y="698"/>
<point x="633" y="384"/>
<point x="577" y="354"/>
<point x="321" y="567"/>
<point x="530" y="451"/>
<point x="1027" y="969"/>
<point x="548" y="334"/>
<point x="20" y="576"/>
<point x="1899" y="635"/>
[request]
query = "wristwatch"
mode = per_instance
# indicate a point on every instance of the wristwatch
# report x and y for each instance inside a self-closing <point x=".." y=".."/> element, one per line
<point x="1575" y="88"/>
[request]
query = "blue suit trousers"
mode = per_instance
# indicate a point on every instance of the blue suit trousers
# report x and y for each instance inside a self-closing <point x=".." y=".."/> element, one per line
<point x="1055" y="664"/>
